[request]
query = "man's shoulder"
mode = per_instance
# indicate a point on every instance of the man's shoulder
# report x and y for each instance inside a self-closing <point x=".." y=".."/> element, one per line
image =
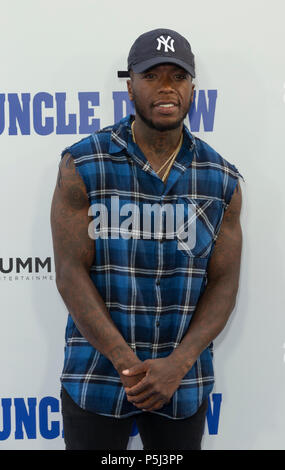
<point x="206" y="153"/>
<point x="93" y="143"/>
<point x="98" y="142"/>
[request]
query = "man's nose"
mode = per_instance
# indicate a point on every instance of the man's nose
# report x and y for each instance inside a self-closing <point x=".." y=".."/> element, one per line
<point x="165" y="83"/>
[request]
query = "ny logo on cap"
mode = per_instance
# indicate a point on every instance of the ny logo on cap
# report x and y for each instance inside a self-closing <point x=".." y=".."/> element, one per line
<point x="162" y="41"/>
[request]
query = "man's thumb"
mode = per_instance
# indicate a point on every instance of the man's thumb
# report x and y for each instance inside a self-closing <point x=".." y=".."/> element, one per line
<point x="134" y="370"/>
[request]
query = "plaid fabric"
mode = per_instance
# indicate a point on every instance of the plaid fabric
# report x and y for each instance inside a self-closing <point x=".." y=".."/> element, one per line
<point x="150" y="285"/>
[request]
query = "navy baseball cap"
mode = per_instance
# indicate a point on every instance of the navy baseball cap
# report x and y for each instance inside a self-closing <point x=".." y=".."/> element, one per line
<point x="161" y="46"/>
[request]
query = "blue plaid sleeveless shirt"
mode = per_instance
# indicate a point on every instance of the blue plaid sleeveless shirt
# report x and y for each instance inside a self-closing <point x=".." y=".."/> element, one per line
<point x="150" y="282"/>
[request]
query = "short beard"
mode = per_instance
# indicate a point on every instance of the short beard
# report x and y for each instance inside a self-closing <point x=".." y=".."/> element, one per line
<point x="158" y="127"/>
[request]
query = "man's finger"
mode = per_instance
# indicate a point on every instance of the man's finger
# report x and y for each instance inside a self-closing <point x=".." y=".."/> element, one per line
<point x="140" y="387"/>
<point x="150" y="404"/>
<point x="140" y="398"/>
<point x="156" y="406"/>
<point x="134" y="370"/>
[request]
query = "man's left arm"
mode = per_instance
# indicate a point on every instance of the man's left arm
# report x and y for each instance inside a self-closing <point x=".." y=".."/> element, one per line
<point x="163" y="376"/>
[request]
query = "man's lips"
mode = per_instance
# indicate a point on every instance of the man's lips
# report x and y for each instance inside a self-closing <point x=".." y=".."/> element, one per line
<point x="165" y="104"/>
<point x="165" y="107"/>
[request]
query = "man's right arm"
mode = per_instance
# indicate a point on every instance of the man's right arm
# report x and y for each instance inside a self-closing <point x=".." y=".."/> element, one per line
<point x="74" y="255"/>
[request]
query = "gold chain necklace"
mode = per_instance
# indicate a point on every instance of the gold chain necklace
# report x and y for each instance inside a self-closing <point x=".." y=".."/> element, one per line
<point x="170" y="159"/>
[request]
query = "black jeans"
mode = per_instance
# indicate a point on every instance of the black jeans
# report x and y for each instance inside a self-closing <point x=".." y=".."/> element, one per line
<point x="84" y="430"/>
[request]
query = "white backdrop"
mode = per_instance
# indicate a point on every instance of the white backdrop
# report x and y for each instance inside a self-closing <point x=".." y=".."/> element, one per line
<point x="50" y="52"/>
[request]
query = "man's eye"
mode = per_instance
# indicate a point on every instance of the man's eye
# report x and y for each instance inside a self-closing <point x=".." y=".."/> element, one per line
<point x="149" y="76"/>
<point x="180" y="76"/>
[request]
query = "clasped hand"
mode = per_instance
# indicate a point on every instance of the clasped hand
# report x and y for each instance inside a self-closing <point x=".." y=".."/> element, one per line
<point x="161" y="379"/>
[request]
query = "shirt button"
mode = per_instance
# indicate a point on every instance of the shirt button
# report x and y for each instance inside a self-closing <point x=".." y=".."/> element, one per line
<point x="157" y="323"/>
<point x="157" y="282"/>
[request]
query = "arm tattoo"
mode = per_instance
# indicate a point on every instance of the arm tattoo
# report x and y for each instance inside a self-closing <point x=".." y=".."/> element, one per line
<point x="76" y="197"/>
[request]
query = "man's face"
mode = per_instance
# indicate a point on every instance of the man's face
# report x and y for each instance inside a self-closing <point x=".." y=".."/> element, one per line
<point x="162" y="96"/>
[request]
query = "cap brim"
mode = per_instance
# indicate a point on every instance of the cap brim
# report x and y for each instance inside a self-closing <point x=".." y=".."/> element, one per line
<point x="147" y="64"/>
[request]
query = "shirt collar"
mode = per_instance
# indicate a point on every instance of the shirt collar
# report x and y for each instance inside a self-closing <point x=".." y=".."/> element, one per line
<point x="120" y="135"/>
<point x="121" y="139"/>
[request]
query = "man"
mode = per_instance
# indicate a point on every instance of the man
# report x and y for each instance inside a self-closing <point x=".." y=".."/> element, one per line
<point x="145" y="303"/>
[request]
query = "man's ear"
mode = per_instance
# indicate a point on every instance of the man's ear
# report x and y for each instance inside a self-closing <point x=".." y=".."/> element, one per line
<point x="130" y="89"/>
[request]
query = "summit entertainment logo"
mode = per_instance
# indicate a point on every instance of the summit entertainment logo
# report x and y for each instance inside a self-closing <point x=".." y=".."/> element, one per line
<point x="27" y="269"/>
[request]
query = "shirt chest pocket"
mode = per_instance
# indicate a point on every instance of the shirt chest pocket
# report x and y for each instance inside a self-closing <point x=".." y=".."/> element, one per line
<point x="198" y="224"/>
